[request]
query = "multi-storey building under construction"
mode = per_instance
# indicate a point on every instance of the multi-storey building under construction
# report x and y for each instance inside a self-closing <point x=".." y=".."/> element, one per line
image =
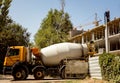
<point x="106" y="37"/>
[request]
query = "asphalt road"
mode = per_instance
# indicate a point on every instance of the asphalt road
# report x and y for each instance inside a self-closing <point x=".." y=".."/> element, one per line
<point x="30" y="79"/>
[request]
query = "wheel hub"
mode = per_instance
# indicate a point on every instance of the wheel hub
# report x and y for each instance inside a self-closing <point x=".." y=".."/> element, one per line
<point x="18" y="74"/>
<point x="39" y="74"/>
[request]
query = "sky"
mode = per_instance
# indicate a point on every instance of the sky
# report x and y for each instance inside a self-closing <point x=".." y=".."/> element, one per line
<point x="30" y="13"/>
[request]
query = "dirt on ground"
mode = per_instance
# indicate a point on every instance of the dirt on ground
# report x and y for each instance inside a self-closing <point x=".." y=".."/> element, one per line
<point x="30" y="79"/>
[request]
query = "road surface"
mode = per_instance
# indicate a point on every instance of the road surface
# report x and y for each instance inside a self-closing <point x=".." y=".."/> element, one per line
<point x="30" y="79"/>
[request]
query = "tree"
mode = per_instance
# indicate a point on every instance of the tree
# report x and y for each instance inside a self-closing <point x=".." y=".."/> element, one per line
<point x="4" y="18"/>
<point x="54" y="29"/>
<point x="4" y="21"/>
<point x="12" y="35"/>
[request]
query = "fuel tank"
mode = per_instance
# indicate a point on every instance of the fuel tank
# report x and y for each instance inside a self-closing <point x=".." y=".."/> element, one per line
<point x="53" y="54"/>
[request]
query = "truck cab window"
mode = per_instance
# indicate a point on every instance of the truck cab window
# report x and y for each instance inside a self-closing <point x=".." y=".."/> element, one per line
<point x="13" y="52"/>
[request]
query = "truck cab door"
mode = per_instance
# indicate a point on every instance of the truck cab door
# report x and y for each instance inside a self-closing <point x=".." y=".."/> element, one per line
<point x="13" y="55"/>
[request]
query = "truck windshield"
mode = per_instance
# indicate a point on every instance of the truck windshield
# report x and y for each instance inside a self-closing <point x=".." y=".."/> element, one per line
<point x="13" y="52"/>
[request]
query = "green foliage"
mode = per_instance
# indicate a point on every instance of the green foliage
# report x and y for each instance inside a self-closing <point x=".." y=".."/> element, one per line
<point x="110" y="67"/>
<point x="4" y="18"/>
<point x="4" y="21"/>
<point x="54" y="29"/>
<point x="14" y="34"/>
<point x="10" y="33"/>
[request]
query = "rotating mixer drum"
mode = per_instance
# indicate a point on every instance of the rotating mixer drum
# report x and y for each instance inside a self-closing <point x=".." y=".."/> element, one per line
<point x="52" y="55"/>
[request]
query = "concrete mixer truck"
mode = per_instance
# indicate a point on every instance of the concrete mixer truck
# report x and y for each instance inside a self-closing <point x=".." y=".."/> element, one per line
<point x="67" y="60"/>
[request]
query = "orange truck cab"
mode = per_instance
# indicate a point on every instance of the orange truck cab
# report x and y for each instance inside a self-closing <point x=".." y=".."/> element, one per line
<point x="20" y="63"/>
<point x="13" y="55"/>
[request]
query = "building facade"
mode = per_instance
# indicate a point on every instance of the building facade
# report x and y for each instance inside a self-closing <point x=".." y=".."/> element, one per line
<point x="106" y="37"/>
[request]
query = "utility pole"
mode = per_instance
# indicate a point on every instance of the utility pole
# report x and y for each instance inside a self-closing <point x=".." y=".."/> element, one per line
<point x="107" y="42"/>
<point x="62" y="5"/>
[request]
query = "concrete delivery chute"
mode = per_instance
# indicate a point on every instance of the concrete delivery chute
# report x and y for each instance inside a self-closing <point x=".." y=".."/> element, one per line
<point x="67" y="60"/>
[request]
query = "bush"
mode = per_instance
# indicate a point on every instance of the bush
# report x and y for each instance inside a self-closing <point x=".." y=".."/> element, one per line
<point x="110" y="67"/>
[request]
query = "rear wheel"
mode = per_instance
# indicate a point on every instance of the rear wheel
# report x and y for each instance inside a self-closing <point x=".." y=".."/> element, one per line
<point x="39" y="74"/>
<point x="20" y="74"/>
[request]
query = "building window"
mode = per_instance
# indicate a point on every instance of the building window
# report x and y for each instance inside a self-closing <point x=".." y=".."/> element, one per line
<point x="115" y="45"/>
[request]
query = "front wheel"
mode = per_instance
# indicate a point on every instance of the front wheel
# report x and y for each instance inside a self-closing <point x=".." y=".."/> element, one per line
<point x="39" y="74"/>
<point x="19" y="74"/>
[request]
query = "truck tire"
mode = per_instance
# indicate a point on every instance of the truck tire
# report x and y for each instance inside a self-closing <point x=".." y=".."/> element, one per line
<point x="20" y="74"/>
<point x="39" y="73"/>
<point x="20" y="71"/>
